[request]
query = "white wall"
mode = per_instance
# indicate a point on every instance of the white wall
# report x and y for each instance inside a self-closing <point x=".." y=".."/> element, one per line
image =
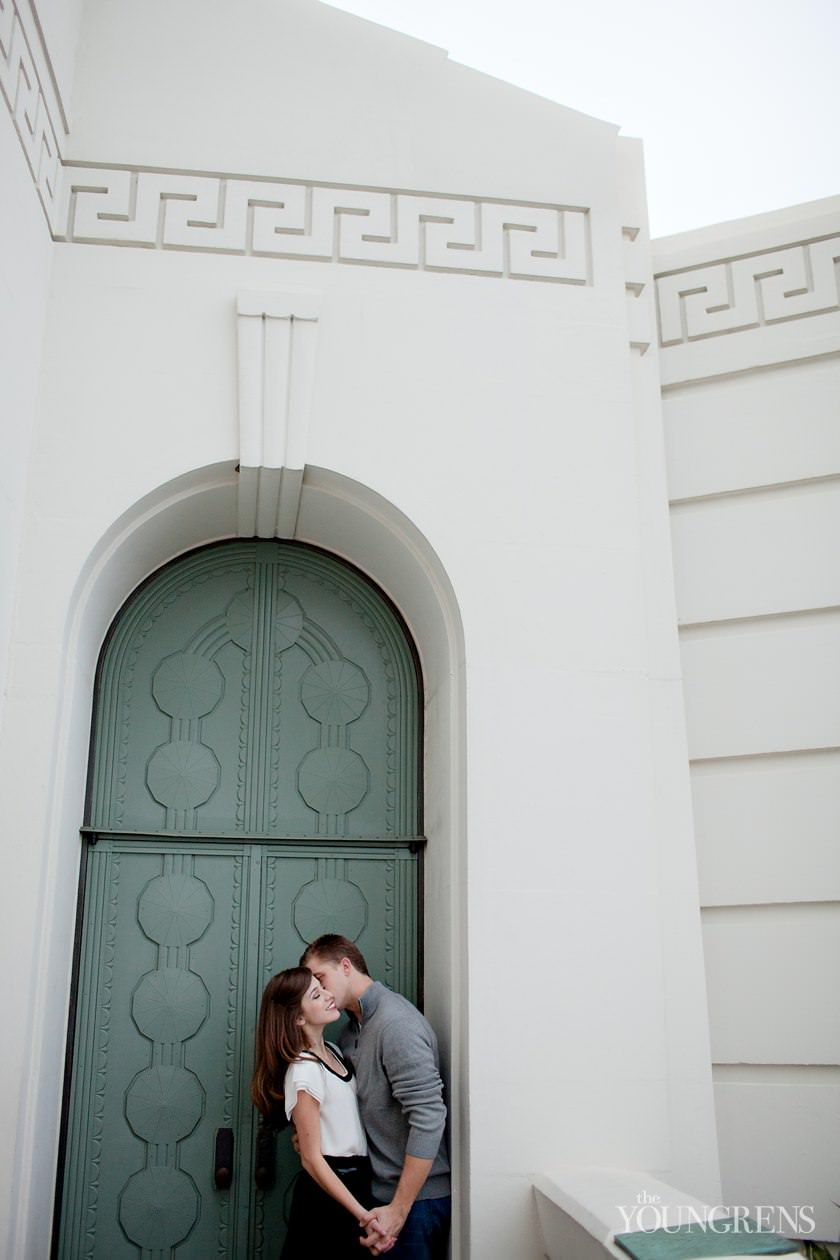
<point x="298" y="90"/>
<point x="24" y="276"/>
<point x="23" y="297"/>
<point x="32" y="130"/>
<point x="59" y="22"/>
<point x="751" y="370"/>
<point x="32" y="133"/>
<point x="511" y="417"/>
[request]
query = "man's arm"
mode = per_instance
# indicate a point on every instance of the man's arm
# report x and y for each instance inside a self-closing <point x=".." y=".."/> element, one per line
<point x="409" y="1060"/>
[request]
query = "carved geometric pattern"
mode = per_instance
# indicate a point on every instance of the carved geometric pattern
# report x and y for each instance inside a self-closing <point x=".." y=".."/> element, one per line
<point x="239" y="616"/>
<point x="103" y="1047"/>
<point x="111" y="795"/>
<point x="362" y="608"/>
<point x="187" y="686"/>
<point x="183" y="775"/>
<point x="330" y="905"/>
<point x="269" y="918"/>
<point x="158" y="1207"/>
<point x="390" y="919"/>
<point x="334" y="692"/>
<point x="333" y="780"/>
<point x="21" y="85"/>
<point x="170" y="1005"/>
<point x="266" y="730"/>
<point x="792" y="282"/>
<point x="355" y="225"/>
<point x="231" y="1040"/>
<point x="175" y="909"/>
<point x="164" y="1104"/>
<point x="276" y="742"/>
<point x="288" y="621"/>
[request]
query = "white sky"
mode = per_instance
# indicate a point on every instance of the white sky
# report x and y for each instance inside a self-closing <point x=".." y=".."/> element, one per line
<point x="737" y="101"/>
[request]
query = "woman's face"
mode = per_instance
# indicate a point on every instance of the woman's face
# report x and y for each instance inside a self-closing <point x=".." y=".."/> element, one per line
<point x="318" y="1007"/>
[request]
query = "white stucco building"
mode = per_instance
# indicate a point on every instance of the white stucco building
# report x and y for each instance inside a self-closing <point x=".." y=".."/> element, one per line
<point x="287" y="275"/>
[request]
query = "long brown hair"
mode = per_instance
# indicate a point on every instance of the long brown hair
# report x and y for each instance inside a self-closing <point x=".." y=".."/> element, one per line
<point x="280" y="1038"/>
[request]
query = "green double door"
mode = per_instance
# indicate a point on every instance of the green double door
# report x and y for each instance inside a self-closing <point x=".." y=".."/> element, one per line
<point x="254" y="784"/>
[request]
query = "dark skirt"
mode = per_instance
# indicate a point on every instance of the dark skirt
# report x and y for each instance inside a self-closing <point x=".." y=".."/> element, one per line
<point x="318" y="1225"/>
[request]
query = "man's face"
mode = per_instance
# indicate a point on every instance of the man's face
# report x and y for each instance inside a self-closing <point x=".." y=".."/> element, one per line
<point x="334" y="977"/>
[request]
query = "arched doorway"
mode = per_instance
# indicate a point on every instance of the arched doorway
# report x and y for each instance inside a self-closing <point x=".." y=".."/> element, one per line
<point x="254" y="782"/>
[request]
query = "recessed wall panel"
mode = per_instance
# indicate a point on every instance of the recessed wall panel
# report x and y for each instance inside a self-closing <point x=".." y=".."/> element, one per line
<point x="778" y="1146"/>
<point x="773" y="976"/>
<point x="766" y="829"/>
<point x="759" y="690"/>
<point x="757" y="553"/>
<point x="759" y="428"/>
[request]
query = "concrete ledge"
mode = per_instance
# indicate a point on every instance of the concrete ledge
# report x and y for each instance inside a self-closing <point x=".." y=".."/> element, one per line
<point x="580" y="1210"/>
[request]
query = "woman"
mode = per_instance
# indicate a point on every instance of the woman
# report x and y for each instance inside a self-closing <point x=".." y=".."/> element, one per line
<point x="298" y="1071"/>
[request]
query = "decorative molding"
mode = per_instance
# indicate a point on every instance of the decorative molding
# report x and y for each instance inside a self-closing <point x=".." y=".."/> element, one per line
<point x="103" y="1043"/>
<point x="28" y="86"/>
<point x="781" y="297"/>
<point x="230" y="214"/>
<point x="277" y="342"/>
<point x="792" y="282"/>
<point x="636" y="276"/>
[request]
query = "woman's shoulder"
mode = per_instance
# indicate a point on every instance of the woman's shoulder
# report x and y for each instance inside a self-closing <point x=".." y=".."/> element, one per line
<point x="304" y="1067"/>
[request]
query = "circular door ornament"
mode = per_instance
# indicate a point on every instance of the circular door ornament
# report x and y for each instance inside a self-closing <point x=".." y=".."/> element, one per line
<point x="288" y="621"/>
<point x="333" y="780"/>
<point x="175" y="909"/>
<point x="164" y="1104"/>
<point x="170" y="1005"/>
<point x="187" y="686"/>
<point x="158" y="1208"/>
<point x="239" y="616"/>
<point x="330" y="905"/>
<point x="334" y="692"/>
<point x="183" y="775"/>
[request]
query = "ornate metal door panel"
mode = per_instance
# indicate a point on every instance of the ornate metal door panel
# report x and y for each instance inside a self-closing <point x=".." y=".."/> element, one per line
<point x="181" y="940"/>
<point x="257" y="689"/>
<point x="254" y="784"/>
<point x="159" y="1044"/>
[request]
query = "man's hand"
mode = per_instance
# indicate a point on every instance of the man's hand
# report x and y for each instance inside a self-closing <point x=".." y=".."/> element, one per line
<point x="390" y="1218"/>
<point x="375" y="1239"/>
<point x="383" y="1226"/>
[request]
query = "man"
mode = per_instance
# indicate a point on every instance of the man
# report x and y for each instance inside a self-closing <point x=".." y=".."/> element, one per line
<point x="394" y="1054"/>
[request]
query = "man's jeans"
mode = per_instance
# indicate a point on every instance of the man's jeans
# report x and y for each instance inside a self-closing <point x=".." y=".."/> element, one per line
<point x="425" y="1234"/>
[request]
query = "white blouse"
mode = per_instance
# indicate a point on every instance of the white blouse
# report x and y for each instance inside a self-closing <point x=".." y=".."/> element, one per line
<point x="341" y="1128"/>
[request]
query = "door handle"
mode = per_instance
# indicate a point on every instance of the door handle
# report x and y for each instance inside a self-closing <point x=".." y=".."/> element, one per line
<point x="264" y="1165"/>
<point x="223" y="1171"/>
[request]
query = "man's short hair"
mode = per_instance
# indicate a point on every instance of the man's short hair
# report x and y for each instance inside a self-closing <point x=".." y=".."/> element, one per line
<point x="332" y="948"/>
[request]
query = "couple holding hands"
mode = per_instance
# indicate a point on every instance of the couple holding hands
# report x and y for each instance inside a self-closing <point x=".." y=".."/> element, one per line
<point x="368" y="1112"/>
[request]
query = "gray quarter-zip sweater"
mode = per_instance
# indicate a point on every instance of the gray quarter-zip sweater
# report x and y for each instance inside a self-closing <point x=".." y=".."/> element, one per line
<point x="395" y="1057"/>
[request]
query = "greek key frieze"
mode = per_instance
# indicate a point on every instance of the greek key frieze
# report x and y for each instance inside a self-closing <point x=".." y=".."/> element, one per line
<point x="792" y="282"/>
<point x="32" y="104"/>
<point x="233" y="215"/>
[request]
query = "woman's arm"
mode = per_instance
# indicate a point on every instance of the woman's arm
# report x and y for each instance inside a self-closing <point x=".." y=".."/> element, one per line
<point x="307" y="1118"/>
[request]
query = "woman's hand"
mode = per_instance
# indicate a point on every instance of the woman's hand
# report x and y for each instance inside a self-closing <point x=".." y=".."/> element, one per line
<point x="375" y="1239"/>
